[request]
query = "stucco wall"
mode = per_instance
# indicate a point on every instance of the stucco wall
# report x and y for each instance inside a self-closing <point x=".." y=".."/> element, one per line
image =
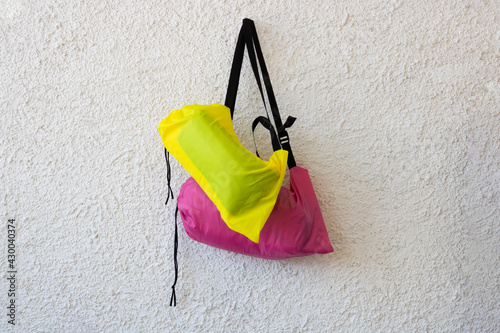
<point x="398" y="124"/>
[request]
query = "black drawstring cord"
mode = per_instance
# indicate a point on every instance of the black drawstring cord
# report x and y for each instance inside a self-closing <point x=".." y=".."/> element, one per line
<point x="173" y="299"/>
<point x="170" y="193"/>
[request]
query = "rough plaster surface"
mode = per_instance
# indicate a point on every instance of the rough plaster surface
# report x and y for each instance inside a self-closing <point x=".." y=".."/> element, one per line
<point x="398" y="124"/>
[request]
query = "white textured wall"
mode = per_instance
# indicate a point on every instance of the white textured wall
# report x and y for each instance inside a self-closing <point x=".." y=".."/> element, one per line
<point x="398" y="124"/>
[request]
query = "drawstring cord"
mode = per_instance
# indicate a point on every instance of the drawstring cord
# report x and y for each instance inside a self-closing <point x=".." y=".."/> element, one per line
<point x="170" y="195"/>
<point x="173" y="299"/>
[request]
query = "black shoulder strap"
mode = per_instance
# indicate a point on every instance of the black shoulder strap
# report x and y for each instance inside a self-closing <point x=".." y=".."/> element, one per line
<point x="248" y="37"/>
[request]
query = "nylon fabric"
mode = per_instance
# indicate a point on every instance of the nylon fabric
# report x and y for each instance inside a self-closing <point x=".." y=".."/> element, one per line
<point x="295" y="227"/>
<point x="243" y="187"/>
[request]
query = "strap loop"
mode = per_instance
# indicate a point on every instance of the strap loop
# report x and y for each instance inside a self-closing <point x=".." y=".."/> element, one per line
<point x="288" y="123"/>
<point x="283" y="134"/>
<point x="269" y="126"/>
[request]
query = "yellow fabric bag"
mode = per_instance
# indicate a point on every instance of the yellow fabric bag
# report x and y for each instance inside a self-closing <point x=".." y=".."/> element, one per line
<point x="242" y="186"/>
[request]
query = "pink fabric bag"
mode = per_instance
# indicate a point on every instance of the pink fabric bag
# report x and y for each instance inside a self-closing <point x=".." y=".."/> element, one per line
<point x="294" y="229"/>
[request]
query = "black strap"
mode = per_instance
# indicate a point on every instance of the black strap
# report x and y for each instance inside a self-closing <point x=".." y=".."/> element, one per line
<point x="234" y="77"/>
<point x="288" y="123"/>
<point x="267" y="124"/>
<point x="245" y="38"/>
<point x="282" y="133"/>
<point x="248" y="37"/>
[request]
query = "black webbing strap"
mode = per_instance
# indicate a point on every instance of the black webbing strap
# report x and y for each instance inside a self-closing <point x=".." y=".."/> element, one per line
<point x="282" y="133"/>
<point x="248" y="37"/>
<point x="234" y="79"/>
<point x="267" y="124"/>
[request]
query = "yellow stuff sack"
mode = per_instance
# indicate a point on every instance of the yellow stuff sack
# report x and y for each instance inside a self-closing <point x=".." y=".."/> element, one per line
<point x="242" y="186"/>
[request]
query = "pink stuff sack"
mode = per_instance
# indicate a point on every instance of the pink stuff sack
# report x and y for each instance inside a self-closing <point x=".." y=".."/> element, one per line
<point x="295" y="227"/>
